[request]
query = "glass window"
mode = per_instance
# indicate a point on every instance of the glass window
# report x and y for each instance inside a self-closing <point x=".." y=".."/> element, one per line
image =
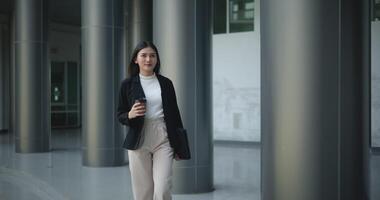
<point x="376" y="10"/>
<point x="232" y="16"/>
<point x="57" y="82"/>
<point x="72" y="83"/>
<point x="65" y="94"/>
<point x="241" y="15"/>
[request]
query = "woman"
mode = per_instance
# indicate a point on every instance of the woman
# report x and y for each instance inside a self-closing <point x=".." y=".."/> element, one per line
<point x="148" y="105"/>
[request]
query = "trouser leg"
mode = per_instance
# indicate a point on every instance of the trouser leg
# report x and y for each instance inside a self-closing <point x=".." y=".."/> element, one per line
<point x="140" y="166"/>
<point x="151" y="165"/>
<point x="162" y="172"/>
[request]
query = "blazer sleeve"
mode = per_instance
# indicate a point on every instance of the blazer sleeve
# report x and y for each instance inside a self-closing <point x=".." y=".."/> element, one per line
<point x="175" y="108"/>
<point x="124" y="107"/>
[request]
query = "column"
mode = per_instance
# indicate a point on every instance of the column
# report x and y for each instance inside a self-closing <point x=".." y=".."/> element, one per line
<point x="182" y="31"/>
<point x="4" y="73"/>
<point x="102" y="34"/>
<point x="2" y="78"/>
<point x="140" y="19"/>
<point x="315" y="99"/>
<point x="32" y="112"/>
<point x="139" y="27"/>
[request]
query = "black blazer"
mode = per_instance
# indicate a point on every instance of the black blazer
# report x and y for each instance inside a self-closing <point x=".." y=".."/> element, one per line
<point x="132" y="90"/>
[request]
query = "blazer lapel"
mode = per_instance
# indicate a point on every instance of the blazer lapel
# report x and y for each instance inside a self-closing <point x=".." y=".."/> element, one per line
<point x="136" y="89"/>
<point x="163" y="92"/>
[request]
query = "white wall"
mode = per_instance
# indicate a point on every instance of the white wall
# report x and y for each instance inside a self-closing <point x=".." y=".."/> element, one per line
<point x="375" y="60"/>
<point x="236" y="84"/>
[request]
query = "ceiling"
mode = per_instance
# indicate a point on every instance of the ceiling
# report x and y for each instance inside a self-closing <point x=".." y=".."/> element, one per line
<point x="61" y="11"/>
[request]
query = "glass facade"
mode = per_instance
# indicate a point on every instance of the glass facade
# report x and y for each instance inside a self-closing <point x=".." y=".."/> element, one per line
<point x="376" y="10"/>
<point x="232" y="16"/>
<point x="241" y="15"/>
<point x="65" y="102"/>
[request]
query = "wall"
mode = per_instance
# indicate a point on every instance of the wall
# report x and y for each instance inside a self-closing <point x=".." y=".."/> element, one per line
<point x="64" y="43"/>
<point x="236" y="84"/>
<point x="375" y="95"/>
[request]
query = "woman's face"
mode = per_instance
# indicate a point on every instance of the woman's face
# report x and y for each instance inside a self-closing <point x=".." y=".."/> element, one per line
<point x="147" y="60"/>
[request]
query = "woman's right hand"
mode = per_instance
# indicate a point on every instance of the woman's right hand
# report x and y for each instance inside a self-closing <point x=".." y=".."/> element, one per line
<point x="137" y="110"/>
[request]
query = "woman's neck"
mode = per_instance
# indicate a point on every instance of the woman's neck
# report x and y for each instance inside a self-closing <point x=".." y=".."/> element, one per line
<point x="146" y="73"/>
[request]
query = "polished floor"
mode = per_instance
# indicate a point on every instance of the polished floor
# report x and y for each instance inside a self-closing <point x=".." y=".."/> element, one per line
<point x="59" y="174"/>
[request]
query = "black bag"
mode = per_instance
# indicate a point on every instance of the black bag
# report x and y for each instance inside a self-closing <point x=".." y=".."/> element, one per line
<point x="183" y="150"/>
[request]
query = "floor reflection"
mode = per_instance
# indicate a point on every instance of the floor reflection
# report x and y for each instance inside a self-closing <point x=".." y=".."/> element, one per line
<point x="59" y="174"/>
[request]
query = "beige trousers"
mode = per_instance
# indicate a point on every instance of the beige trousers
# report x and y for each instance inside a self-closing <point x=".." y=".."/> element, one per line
<point x="151" y="164"/>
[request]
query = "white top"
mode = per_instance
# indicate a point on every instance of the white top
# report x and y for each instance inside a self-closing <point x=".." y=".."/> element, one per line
<point x="152" y="91"/>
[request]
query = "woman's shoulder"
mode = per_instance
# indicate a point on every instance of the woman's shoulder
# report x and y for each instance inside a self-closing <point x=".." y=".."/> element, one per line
<point x="163" y="78"/>
<point x="128" y="80"/>
<point x="126" y="83"/>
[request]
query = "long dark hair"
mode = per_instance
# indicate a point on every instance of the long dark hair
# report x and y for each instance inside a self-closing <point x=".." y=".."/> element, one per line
<point x="133" y="68"/>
